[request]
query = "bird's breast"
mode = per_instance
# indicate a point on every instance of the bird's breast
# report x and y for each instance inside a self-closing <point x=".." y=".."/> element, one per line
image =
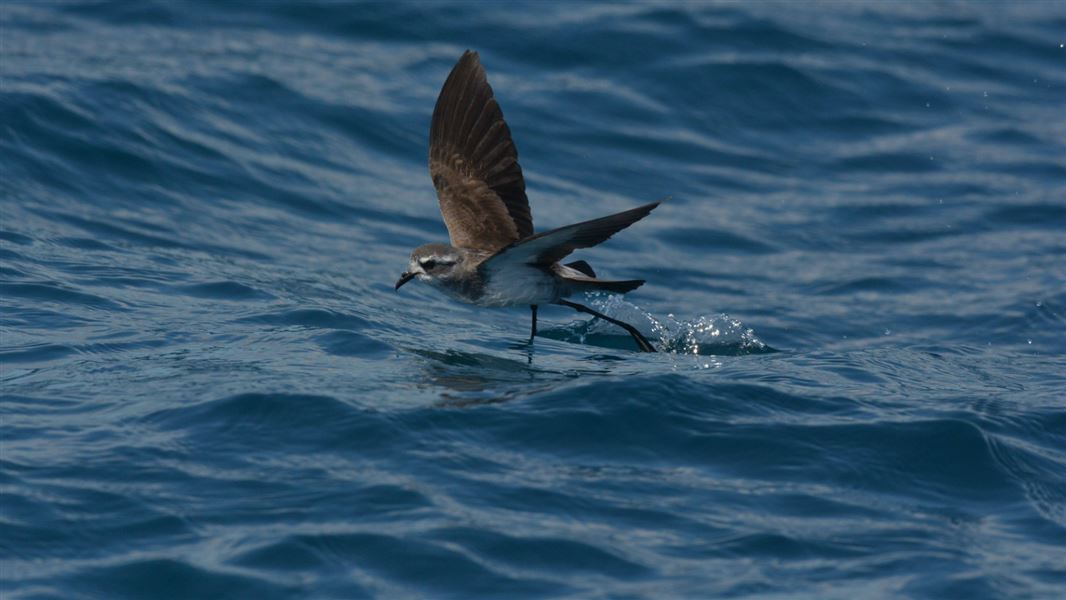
<point x="519" y="285"/>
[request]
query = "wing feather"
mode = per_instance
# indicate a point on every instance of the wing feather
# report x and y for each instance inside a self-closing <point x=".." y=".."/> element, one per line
<point x="547" y="248"/>
<point x="474" y="163"/>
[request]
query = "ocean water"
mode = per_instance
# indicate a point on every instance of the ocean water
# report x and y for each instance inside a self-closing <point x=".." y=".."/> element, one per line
<point x="211" y="389"/>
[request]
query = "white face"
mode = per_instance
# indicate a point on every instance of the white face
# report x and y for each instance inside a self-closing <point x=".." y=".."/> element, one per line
<point x="429" y="267"/>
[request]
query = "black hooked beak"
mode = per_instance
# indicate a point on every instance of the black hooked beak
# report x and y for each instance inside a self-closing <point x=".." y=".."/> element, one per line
<point x="404" y="279"/>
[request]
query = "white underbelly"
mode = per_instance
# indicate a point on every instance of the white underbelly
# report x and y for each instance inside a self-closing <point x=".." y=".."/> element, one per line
<point x="519" y="285"/>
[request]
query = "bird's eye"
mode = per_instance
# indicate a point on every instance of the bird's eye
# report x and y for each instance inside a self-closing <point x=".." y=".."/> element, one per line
<point x="429" y="264"/>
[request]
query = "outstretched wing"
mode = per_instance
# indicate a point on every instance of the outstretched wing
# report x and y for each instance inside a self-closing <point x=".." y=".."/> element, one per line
<point x="474" y="163"/>
<point x="549" y="247"/>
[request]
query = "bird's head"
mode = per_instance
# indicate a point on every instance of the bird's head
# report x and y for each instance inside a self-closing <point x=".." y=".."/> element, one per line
<point x="431" y="263"/>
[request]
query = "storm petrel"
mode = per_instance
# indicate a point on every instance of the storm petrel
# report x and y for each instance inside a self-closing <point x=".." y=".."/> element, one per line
<point x="494" y="258"/>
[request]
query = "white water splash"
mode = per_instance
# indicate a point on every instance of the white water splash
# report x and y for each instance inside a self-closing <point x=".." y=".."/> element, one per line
<point x="703" y="335"/>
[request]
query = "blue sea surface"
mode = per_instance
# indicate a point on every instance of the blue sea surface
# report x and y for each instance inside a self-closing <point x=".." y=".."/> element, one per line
<point x="210" y="388"/>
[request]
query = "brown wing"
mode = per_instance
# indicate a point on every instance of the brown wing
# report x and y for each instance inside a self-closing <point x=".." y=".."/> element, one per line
<point x="549" y="247"/>
<point x="474" y="163"/>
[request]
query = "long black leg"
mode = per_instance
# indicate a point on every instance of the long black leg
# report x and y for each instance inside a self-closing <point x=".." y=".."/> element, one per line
<point x="533" y="333"/>
<point x="645" y="346"/>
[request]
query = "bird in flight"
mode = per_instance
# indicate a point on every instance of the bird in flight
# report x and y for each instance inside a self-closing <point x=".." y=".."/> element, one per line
<point x="494" y="258"/>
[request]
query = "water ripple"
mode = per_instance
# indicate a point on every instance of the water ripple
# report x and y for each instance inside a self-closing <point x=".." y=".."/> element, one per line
<point x="210" y="388"/>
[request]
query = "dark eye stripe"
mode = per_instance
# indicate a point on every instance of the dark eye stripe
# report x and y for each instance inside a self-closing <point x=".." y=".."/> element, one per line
<point x="429" y="263"/>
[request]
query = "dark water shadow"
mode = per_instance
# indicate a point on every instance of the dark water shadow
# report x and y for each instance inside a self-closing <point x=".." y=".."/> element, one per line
<point x="474" y="378"/>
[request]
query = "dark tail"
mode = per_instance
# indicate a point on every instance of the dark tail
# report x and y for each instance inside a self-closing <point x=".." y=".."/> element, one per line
<point x="618" y="287"/>
<point x="583" y="267"/>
